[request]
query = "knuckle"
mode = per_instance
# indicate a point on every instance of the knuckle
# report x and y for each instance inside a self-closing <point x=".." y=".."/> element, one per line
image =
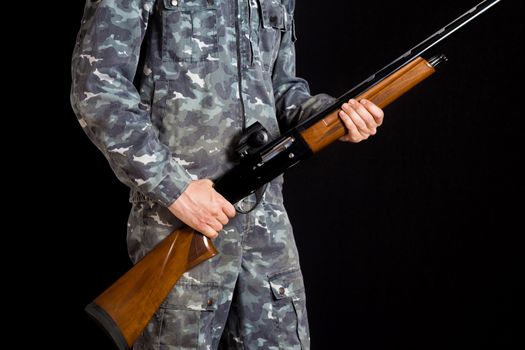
<point x="360" y="109"/>
<point x="370" y="124"/>
<point x="195" y="222"/>
<point x="362" y="127"/>
<point x="200" y="226"/>
<point x="359" y="120"/>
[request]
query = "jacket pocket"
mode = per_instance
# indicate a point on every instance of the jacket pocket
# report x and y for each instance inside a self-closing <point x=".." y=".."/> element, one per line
<point x="274" y="21"/>
<point x="274" y="15"/>
<point x="186" y="314"/>
<point x="189" y="30"/>
<point x="290" y="307"/>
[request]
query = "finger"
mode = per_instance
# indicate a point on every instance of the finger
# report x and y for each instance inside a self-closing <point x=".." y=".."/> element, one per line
<point x="364" y="114"/>
<point x="228" y="209"/>
<point x="353" y="133"/>
<point x="207" y="230"/>
<point x="357" y="120"/>
<point x="374" y="110"/>
<point x="222" y="218"/>
<point x="214" y="224"/>
<point x="211" y="233"/>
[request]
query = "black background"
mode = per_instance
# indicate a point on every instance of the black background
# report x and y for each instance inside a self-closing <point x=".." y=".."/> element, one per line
<point x="408" y="239"/>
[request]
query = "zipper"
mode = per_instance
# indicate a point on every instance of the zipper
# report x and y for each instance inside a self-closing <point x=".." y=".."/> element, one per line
<point x="239" y="63"/>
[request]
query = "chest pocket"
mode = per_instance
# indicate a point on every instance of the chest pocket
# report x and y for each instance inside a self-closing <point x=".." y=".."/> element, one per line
<point x="190" y="30"/>
<point x="274" y="21"/>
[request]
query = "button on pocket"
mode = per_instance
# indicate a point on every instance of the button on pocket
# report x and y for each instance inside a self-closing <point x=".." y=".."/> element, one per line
<point x="287" y="283"/>
<point x="190" y="30"/>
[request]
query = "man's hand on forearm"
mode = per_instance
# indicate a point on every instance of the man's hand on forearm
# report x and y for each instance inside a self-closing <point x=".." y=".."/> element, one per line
<point x="361" y="119"/>
<point x="203" y="208"/>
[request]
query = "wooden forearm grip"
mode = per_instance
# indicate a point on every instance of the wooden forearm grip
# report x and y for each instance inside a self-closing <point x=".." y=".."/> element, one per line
<point x="331" y="128"/>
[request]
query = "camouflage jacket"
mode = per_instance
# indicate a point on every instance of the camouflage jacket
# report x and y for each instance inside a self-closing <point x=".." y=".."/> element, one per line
<point x="163" y="87"/>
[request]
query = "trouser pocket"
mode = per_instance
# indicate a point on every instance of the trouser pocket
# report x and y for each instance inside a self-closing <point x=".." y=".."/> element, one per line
<point x="184" y="320"/>
<point x="290" y="308"/>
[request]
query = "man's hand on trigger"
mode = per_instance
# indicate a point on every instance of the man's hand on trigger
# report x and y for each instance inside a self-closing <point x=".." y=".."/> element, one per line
<point x="361" y="119"/>
<point x="203" y="208"/>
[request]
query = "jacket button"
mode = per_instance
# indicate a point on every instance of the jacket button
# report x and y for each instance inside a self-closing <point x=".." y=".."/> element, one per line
<point x="210" y="302"/>
<point x="281" y="291"/>
<point x="174" y="2"/>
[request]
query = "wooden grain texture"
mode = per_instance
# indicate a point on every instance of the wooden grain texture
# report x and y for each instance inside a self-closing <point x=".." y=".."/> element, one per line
<point x="136" y="296"/>
<point x="331" y="128"/>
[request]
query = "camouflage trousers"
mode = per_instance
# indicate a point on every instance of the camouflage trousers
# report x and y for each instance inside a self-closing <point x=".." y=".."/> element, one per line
<point x="250" y="296"/>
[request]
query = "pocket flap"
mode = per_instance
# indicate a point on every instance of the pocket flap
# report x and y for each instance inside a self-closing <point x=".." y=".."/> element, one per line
<point x="287" y="283"/>
<point x="274" y="15"/>
<point x="182" y="4"/>
<point x="197" y="297"/>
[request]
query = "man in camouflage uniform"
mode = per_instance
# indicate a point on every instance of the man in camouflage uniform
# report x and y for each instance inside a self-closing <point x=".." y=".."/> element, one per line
<point x="206" y="70"/>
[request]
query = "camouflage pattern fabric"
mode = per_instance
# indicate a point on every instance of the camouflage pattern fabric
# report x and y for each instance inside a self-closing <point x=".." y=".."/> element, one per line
<point x="164" y="88"/>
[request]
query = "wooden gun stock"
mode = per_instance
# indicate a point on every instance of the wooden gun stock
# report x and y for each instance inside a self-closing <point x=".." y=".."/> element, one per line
<point x="126" y="307"/>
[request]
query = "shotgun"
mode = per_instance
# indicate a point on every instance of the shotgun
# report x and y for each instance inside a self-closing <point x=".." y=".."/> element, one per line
<point x="126" y="307"/>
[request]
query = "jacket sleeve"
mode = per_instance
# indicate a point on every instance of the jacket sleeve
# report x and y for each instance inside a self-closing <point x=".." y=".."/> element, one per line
<point x="292" y="95"/>
<point x="108" y="106"/>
